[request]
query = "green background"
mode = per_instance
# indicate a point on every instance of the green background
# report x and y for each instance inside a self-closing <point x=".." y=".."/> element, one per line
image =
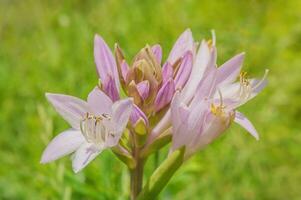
<point x="47" y="46"/>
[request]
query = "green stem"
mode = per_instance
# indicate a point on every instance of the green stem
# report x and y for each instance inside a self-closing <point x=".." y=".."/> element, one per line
<point x="137" y="172"/>
<point x="137" y="179"/>
<point x="162" y="175"/>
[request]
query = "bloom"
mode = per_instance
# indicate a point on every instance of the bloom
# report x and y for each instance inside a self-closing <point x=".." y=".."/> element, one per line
<point x="95" y="125"/>
<point x="151" y="86"/>
<point x="200" y="116"/>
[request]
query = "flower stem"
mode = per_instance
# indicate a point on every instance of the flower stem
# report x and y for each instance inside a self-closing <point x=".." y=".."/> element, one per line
<point x="137" y="178"/>
<point x="137" y="172"/>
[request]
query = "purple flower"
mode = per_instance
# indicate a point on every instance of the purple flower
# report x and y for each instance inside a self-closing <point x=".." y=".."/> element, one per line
<point x="95" y="125"/>
<point x="200" y="116"/>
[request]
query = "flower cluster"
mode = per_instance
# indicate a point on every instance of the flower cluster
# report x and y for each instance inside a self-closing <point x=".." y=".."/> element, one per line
<point x="187" y="101"/>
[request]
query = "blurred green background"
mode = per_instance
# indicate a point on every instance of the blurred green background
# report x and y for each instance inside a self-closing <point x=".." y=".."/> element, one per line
<point x="47" y="46"/>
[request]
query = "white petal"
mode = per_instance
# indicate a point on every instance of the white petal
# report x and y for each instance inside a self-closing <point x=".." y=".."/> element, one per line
<point x="84" y="155"/>
<point x="72" y="109"/>
<point x="246" y="124"/>
<point x="63" y="144"/>
<point x="122" y="110"/>
<point x="99" y="102"/>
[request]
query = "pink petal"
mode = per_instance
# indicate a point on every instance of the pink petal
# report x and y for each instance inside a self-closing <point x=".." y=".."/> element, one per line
<point x="125" y="70"/>
<point x="183" y="44"/>
<point x="99" y="102"/>
<point x="229" y="71"/>
<point x="84" y="155"/>
<point x="72" y="109"/>
<point x="143" y="89"/>
<point x="174" y="108"/>
<point x="157" y="51"/>
<point x="137" y="114"/>
<point x="179" y="138"/>
<point x="63" y="144"/>
<point x="213" y="128"/>
<point x="110" y="89"/>
<point x="201" y="61"/>
<point x="246" y="124"/>
<point x="167" y="72"/>
<point x="184" y="71"/>
<point x="164" y="95"/>
<point x="122" y="110"/>
<point x="183" y="112"/>
<point x="206" y="87"/>
<point x="105" y="62"/>
<point x="197" y="115"/>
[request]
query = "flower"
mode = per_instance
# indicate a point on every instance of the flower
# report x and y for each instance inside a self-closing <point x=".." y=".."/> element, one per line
<point x="207" y="105"/>
<point x="106" y="68"/>
<point x="151" y="85"/>
<point x="95" y="125"/>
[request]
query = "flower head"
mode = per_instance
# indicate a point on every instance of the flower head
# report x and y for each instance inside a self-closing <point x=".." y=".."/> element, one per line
<point x="201" y="115"/>
<point x="95" y="125"/>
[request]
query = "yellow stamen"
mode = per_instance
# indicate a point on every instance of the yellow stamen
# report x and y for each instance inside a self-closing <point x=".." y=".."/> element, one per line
<point x="218" y="110"/>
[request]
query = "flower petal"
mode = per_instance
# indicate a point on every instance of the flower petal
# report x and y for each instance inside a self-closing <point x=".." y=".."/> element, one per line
<point x="143" y="89"/>
<point x="198" y="69"/>
<point x="229" y="71"/>
<point x="183" y="44"/>
<point x="110" y="89"/>
<point x="213" y="127"/>
<point x="105" y="62"/>
<point x="84" y="155"/>
<point x="63" y="144"/>
<point x="164" y="95"/>
<point x="246" y="124"/>
<point x="206" y="87"/>
<point x="122" y="110"/>
<point x="184" y="71"/>
<point x="72" y="109"/>
<point x="125" y="71"/>
<point x="174" y="108"/>
<point x="157" y="51"/>
<point x="167" y="72"/>
<point x="137" y="114"/>
<point x="99" y="102"/>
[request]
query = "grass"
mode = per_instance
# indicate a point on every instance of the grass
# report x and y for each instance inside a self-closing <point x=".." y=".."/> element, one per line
<point x="47" y="46"/>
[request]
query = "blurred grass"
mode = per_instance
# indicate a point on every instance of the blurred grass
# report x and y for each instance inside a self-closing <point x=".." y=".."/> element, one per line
<point x="47" y="46"/>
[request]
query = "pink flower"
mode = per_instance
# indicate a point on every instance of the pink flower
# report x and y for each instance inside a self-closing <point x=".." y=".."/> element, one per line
<point x="201" y="115"/>
<point x="95" y="125"/>
<point x="176" y="70"/>
<point x="106" y="68"/>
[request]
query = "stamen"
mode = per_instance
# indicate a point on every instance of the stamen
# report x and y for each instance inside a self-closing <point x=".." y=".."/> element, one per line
<point x="218" y="110"/>
<point x="93" y="128"/>
<point x="263" y="79"/>
<point x="245" y="89"/>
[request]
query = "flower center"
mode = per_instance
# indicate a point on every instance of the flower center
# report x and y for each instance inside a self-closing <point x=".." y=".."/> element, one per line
<point x="245" y="88"/>
<point x="93" y="128"/>
<point x="218" y="110"/>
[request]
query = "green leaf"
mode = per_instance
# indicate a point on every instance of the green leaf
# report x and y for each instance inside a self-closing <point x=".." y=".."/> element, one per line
<point x="162" y="175"/>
